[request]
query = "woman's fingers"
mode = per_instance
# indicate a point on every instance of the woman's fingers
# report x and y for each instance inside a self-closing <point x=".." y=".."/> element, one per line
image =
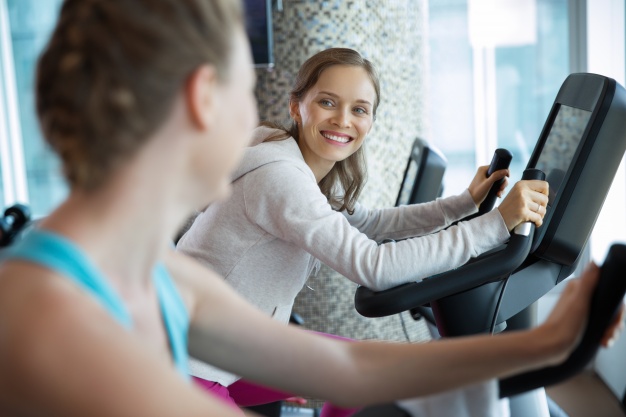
<point x="498" y="175"/>
<point x="537" y="200"/>
<point x="505" y="183"/>
<point x="536" y="204"/>
<point x="481" y="184"/>
<point x="539" y="186"/>
<point x="568" y="318"/>
<point x="526" y="202"/>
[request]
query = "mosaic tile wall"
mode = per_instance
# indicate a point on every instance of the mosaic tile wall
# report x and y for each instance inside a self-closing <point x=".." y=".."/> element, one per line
<point x="392" y="34"/>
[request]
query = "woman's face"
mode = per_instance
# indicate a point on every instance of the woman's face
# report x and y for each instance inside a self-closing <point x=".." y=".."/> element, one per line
<point x="334" y="116"/>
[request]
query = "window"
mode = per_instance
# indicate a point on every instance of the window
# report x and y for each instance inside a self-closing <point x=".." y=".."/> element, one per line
<point x="30" y="172"/>
<point x="496" y="67"/>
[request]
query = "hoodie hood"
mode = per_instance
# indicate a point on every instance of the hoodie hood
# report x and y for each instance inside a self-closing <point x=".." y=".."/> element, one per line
<point x="260" y="153"/>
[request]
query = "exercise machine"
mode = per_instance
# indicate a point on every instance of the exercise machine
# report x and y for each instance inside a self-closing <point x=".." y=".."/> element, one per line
<point x="605" y="302"/>
<point x="579" y="150"/>
<point x="423" y="175"/>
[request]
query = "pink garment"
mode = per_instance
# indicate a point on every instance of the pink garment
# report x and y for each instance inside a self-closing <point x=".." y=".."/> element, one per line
<point x="245" y="394"/>
<point x="218" y="391"/>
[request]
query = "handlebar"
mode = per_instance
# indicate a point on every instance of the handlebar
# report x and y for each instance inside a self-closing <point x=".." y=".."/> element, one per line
<point x="501" y="160"/>
<point x="605" y="302"/>
<point x="481" y="270"/>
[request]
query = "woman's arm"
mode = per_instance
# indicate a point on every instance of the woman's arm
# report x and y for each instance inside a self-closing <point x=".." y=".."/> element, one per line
<point x="525" y="202"/>
<point x="232" y="335"/>
<point x="412" y="220"/>
<point x="283" y="201"/>
<point x="420" y="219"/>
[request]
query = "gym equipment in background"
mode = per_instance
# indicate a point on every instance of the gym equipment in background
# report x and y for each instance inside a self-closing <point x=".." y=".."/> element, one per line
<point x="579" y="149"/>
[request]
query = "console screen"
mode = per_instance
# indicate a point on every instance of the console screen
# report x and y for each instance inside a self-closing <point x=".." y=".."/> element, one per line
<point x="561" y="144"/>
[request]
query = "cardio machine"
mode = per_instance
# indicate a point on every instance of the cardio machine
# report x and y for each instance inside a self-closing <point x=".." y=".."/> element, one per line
<point x="423" y="175"/>
<point x="578" y="153"/>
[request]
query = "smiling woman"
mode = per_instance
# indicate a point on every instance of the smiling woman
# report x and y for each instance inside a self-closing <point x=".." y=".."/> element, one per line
<point x="294" y="204"/>
<point x="314" y="75"/>
<point x="335" y="116"/>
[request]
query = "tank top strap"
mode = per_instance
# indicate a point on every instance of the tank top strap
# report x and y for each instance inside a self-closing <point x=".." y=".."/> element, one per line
<point x="61" y="255"/>
<point x="175" y="317"/>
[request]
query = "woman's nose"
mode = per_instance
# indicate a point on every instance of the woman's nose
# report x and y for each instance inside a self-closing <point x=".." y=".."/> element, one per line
<point x="341" y="118"/>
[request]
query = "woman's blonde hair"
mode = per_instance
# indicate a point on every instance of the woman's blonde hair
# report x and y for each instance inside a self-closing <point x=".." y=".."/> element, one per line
<point x="348" y="176"/>
<point x="112" y="69"/>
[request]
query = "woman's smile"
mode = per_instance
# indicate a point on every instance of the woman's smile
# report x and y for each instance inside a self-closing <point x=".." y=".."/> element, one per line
<point x="335" y="138"/>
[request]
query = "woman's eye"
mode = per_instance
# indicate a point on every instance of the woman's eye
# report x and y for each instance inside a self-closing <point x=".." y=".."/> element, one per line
<point x="326" y="103"/>
<point x="360" y="110"/>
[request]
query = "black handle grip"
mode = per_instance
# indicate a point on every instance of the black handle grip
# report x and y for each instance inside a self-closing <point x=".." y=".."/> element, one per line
<point x="501" y="160"/>
<point x="15" y="217"/>
<point x="605" y="302"/>
<point x="533" y="174"/>
<point x="486" y="268"/>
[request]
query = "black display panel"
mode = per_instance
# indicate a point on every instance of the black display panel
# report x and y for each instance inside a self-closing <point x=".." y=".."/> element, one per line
<point x="404" y="197"/>
<point x="259" y="29"/>
<point x="423" y="175"/>
<point x="561" y="144"/>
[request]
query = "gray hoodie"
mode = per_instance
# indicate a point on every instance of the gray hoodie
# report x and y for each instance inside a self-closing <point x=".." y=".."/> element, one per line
<point x="267" y="237"/>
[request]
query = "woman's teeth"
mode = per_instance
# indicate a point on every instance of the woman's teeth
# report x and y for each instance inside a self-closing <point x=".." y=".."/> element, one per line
<point x="341" y="139"/>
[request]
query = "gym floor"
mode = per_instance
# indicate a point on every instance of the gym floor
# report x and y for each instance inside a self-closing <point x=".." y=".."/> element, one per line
<point x="586" y="395"/>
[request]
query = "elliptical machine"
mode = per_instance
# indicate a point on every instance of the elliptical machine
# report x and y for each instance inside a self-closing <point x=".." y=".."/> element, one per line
<point x="579" y="150"/>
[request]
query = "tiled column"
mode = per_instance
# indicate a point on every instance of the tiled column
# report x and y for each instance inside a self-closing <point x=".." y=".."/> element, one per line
<point x="392" y="34"/>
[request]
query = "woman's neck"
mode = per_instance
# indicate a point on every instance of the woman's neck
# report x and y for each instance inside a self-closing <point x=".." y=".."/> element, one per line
<point x="319" y="166"/>
<point x="125" y="227"/>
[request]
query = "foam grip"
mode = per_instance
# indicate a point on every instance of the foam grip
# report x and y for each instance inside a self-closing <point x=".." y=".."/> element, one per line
<point x="501" y="160"/>
<point x="533" y="174"/>
<point x="608" y="295"/>
<point x="15" y="217"/>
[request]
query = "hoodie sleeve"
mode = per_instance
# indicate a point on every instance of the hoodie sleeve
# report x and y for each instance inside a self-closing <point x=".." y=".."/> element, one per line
<point x="284" y="200"/>
<point x="412" y="220"/>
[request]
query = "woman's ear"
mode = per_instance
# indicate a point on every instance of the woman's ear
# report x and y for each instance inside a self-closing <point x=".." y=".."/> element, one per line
<point x="294" y="111"/>
<point x="200" y="96"/>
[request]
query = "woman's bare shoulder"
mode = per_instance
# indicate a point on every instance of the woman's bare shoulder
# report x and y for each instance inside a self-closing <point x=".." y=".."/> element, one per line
<point x="61" y="353"/>
<point x="33" y="296"/>
<point x="45" y="322"/>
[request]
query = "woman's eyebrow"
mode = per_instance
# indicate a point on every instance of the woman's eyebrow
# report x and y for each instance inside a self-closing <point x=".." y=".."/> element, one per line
<point x="328" y="93"/>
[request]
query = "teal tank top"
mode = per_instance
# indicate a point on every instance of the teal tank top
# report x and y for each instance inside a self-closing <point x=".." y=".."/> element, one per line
<point x="64" y="257"/>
